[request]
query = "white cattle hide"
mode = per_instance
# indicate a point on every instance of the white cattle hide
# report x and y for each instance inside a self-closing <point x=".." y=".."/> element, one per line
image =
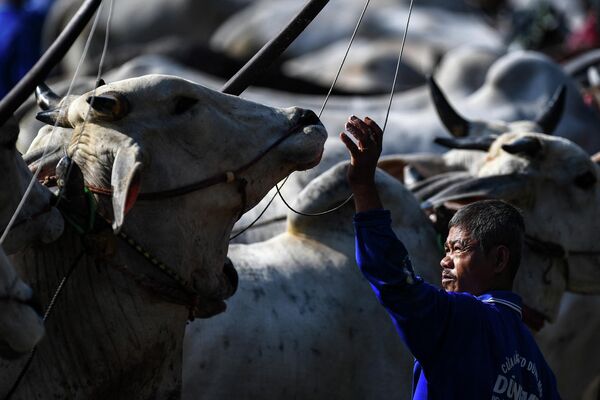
<point x="304" y="322"/>
<point x="570" y="345"/>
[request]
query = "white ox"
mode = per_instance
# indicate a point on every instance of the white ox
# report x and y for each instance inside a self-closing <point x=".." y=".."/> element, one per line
<point x="117" y="330"/>
<point x="304" y="323"/>
<point x="301" y="302"/>
<point x="517" y="86"/>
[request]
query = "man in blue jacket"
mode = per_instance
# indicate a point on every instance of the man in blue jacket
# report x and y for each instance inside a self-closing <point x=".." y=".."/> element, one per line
<point x="468" y="340"/>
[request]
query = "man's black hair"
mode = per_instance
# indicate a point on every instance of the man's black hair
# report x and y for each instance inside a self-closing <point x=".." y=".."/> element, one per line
<point x="492" y="223"/>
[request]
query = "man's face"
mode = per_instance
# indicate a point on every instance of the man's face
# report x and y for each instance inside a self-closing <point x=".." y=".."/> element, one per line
<point x="465" y="268"/>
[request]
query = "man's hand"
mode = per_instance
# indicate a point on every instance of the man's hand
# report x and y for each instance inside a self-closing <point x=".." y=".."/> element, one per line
<point x="363" y="161"/>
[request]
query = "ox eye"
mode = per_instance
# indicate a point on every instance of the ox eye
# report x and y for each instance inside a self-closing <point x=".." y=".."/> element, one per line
<point x="183" y="104"/>
<point x="585" y="180"/>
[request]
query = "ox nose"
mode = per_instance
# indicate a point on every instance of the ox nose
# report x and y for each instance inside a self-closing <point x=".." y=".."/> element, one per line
<point x="308" y="117"/>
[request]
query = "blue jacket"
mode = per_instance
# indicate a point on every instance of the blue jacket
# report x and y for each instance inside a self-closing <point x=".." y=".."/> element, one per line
<point x="20" y="31"/>
<point x="465" y="347"/>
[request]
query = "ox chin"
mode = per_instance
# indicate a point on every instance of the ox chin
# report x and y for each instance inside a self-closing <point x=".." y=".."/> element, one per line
<point x="214" y="303"/>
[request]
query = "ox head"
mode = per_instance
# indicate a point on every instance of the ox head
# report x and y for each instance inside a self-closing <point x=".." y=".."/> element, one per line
<point x="482" y="133"/>
<point x="156" y="133"/>
<point x="555" y="183"/>
<point x="21" y="326"/>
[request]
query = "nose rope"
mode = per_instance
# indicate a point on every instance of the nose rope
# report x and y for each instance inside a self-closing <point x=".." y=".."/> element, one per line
<point x="98" y="75"/>
<point x="342" y="204"/>
<point x="337" y="75"/>
<point x="33" y="180"/>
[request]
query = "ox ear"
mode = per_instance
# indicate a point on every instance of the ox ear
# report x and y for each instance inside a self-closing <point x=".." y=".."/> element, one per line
<point x="528" y="146"/>
<point x="125" y="182"/>
<point x="549" y="119"/>
<point x="482" y="143"/>
<point x="457" y="125"/>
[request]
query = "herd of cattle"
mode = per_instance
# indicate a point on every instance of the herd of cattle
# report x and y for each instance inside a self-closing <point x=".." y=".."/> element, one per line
<point x="157" y="171"/>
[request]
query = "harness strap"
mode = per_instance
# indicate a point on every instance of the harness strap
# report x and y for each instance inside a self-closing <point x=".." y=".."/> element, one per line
<point x="225" y="177"/>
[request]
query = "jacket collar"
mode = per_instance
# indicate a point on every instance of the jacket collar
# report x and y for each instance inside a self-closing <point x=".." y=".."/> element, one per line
<point x="505" y="298"/>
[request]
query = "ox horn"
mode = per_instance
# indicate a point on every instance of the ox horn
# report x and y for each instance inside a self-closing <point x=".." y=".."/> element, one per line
<point x="109" y="106"/>
<point x="454" y="122"/>
<point x="529" y="146"/>
<point x="46" y="98"/>
<point x="551" y="116"/>
<point x="482" y="143"/>
<point x="54" y="117"/>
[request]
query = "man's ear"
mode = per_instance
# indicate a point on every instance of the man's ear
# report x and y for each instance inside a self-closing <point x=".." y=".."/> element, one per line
<point x="501" y="257"/>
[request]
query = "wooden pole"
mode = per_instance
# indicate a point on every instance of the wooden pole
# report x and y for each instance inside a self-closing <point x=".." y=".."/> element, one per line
<point x="273" y="49"/>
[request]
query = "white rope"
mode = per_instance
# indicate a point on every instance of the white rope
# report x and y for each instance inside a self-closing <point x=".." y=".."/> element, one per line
<point x="98" y="75"/>
<point x="410" y="8"/>
<point x="335" y="79"/>
<point x="33" y="180"/>
<point x="318" y="214"/>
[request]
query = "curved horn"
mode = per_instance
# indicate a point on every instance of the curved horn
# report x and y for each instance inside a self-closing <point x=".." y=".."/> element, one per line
<point x="482" y="143"/>
<point x="551" y="116"/>
<point x="54" y="117"/>
<point x="529" y="146"/>
<point x="46" y="98"/>
<point x="109" y="106"/>
<point x="454" y="122"/>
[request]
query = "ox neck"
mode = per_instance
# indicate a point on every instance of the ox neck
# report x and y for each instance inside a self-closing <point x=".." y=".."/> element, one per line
<point x="106" y="336"/>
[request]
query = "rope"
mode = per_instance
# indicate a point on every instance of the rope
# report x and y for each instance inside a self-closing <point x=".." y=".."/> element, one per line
<point x="37" y="171"/>
<point x="318" y="214"/>
<point x="410" y="8"/>
<point x="49" y="309"/>
<point x="337" y="75"/>
<point x="33" y="180"/>
<point x="98" y="75"/>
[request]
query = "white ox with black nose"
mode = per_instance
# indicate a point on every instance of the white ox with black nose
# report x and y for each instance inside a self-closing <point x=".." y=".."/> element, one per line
<point x="171" y="165"/>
